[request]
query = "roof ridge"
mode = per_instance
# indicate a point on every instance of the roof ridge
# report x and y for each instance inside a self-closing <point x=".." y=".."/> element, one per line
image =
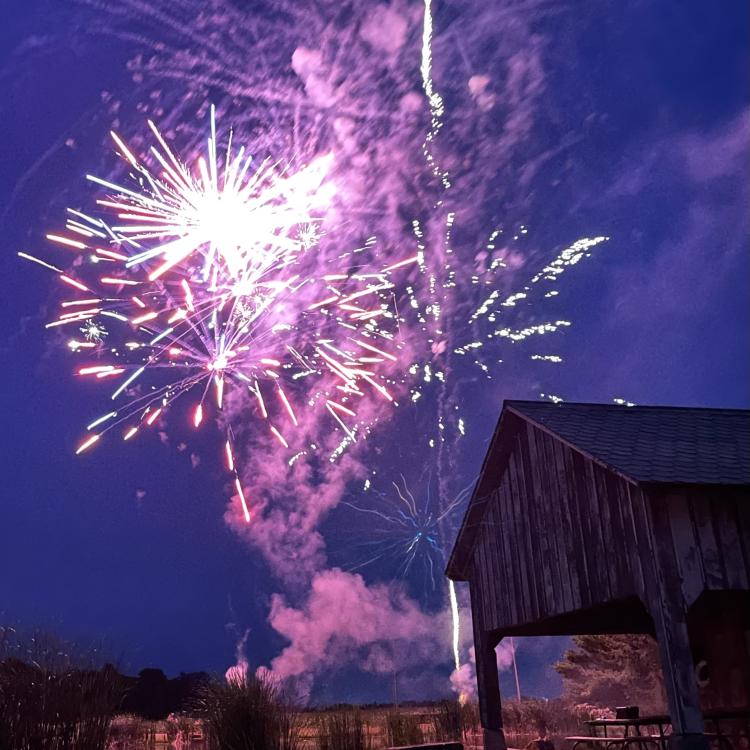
<point x="563" y="404"/>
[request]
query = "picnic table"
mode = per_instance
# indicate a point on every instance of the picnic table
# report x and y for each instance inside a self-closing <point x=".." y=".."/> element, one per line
<point x="631" y="727"/>
<point x="629" y="732"/>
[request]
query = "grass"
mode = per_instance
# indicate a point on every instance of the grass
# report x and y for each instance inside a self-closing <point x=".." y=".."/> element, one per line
<point x="52" y="699"/>
<point x="448" y="722"/>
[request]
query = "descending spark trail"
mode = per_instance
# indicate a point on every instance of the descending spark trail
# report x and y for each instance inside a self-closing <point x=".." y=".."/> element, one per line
<point x="456" y="624"/>
<point x="437" y="109"/>
<point x="461" y="319"/>
<point x="214" y="279"/>
<point x="435" y="101"/>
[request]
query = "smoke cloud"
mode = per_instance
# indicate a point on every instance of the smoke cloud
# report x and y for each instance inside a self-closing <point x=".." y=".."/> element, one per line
<point x="343" y="621"/>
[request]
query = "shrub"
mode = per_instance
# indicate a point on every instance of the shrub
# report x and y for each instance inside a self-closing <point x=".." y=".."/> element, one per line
<point x="126" y="729"/>
<point x="447" y="721"/>
<point x="47" y="699"/>
<point x="470" y="717"/>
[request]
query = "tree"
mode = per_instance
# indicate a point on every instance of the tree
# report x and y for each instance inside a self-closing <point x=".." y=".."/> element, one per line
<point x="149" y="695"/>
<point x="614" y="670"/>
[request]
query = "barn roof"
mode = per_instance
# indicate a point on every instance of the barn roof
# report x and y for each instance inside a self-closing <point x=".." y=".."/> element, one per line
<point x="663" y="444"/>
<point x="644" y="444"/>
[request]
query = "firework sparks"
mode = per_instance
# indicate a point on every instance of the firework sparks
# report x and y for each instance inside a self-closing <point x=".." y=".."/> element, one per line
<point x="408" y="530"/>
<point x="435" y="101"/>
<point x="484" y="317"/>
<point x="456" y="625"/>
<point x="215" y="279"/>
<point x="94" y="332"/>
<point x="411" y="531"/>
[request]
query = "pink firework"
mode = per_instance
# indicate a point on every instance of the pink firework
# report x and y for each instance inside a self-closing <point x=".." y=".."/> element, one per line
<point x="213" y="277"/>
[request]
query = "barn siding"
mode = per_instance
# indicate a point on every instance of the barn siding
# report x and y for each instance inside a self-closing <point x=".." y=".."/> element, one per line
<point x="703" y="531"/>
<point x="561" y="533"/>
<point x="551" y="532"/>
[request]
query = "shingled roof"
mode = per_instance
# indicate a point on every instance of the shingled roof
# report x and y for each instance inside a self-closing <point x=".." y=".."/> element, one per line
<point x="660" y="444"/>
<point x="657" y="445"/>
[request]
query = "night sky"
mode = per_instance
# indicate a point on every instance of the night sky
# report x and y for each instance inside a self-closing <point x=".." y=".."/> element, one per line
<point x="584" y="119"/>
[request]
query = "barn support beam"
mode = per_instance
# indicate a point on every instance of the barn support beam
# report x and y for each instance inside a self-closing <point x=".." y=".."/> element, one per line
<point x="669" y="607"/>
<point x="679" y="679"/>
<point x="490" y="707"/>
<point x="488" y="684"/>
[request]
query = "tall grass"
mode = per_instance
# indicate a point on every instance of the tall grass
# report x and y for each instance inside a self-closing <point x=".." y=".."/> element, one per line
<point x="448" y="722"/>
<point x="522" y="720"/>
<point x="343" y="730"/>
<point x="51" y="699"/>
<point x="249" y="714"/>
<point x="403" y="729"/>
<point x="470" y="723"/>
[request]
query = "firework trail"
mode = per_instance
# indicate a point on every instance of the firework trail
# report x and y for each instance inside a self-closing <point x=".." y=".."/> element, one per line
<point x="455" y="316"/>
<point x="213" y="278"/>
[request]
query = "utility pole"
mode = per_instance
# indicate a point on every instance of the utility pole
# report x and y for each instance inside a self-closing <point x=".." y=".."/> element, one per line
<point x="515" y="669"/>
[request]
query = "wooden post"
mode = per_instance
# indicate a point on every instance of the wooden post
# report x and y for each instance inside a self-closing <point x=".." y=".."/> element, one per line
<point x="488" y="684"/>
<point x="668" y="605"/>
<point x="679" y="680"/>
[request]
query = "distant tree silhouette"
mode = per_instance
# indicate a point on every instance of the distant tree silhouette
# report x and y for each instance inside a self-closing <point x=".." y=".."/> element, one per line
<point x="152" y="696"/>
<point x="148" y="697"/>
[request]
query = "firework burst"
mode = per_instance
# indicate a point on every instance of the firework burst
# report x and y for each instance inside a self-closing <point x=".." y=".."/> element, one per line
<point x="408" y="530"/>
<point x="214" y="277"/>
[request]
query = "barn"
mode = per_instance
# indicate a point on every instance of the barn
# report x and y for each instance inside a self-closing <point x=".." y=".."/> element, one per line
<point x="599" y="518"/>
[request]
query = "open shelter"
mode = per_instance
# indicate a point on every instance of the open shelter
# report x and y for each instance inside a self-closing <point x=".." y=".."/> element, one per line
<point x="599" y="518"/>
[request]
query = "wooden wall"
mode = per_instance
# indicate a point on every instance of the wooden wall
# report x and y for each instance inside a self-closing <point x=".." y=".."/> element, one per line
<point x="562" y="534"/>
<point x="704" y="538"/>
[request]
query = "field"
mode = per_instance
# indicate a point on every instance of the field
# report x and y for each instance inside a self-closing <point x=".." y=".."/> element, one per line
<point x="370" y="728"/>
<point x="47" y="699"/>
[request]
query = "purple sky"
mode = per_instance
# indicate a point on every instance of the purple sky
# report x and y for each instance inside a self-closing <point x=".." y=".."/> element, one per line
<point x="571" y="121"/>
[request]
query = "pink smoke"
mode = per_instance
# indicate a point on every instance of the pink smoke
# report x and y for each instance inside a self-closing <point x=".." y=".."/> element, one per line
<point x="345" y="621"/>
<point x="351" y="88"/>
<point x="464" y="679"/>
<point x="291" y="492"/>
